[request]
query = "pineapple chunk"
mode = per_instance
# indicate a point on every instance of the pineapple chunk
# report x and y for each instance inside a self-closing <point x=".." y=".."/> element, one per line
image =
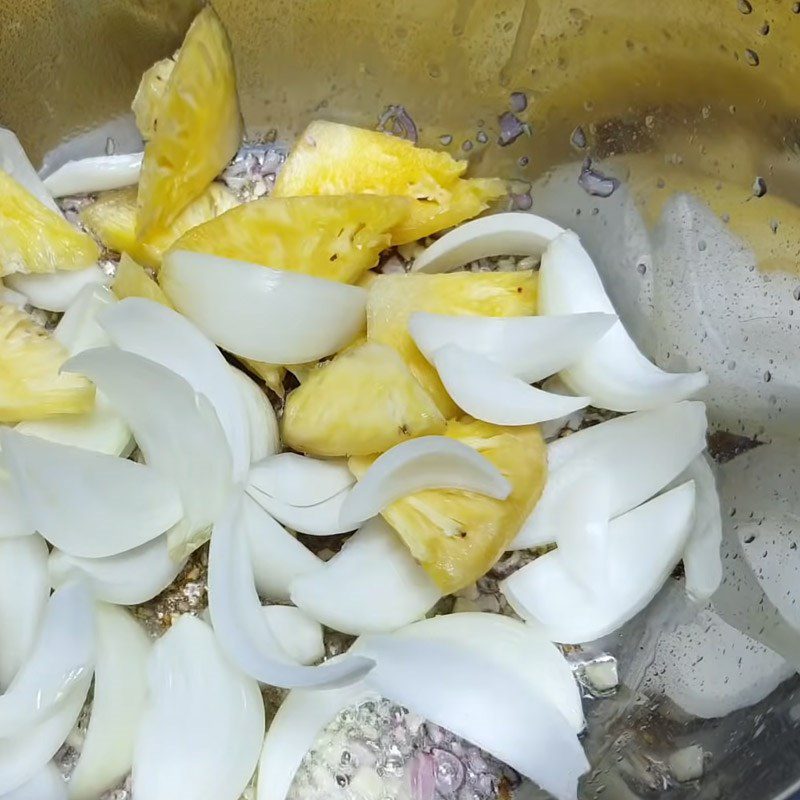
<point x="131" y="280"/>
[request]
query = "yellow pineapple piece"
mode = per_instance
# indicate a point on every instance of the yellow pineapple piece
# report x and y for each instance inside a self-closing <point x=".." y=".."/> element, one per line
<point x="31" y="386"/>
<point x="338" y="238"/>
<point x="34" y="238"/>
<point x="271" y="374"/>
<point x="363" y="401"/>
<point x="146" y="103"/>
<point x="199" y="127"/>
<point x="330" y="158"/>
<point x="393" y="298"/>
<point x="131" y="280"/>
<point x="458" y="536"/>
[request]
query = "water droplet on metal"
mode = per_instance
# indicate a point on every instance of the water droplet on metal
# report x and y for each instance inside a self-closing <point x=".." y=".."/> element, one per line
<point x="523" y="161"/>
<point x="397" y="121"/>
<point x="511" y="128"/>
<point x="773" y="225"/>
<point x="701" y="245"/>
<point x="764" y="29"/>
<point x="466" y="146"/>
<point x="578" y="138"/>
<point x="767" y="376"/>
<point x="751" y="57"/>
<point x="641" y="268"/>
<point x="111" y="146"/>
<point x="521" y="202"/>
<point x="518" y="101"/>
<point x="796" y="293"/>
<point x="745" y="6"/>
<point x="482" y="137"/>
<point x="595" y="183"/>
<point x="796" y="8"/>
<point x="446" y="139"/>
<point x="759" y="187"/>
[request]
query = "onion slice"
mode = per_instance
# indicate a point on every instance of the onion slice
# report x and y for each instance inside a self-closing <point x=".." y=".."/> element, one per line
<point x="13" y="520"/>
<point x="159" y="334"/>
<point x="120" y="693"/>
<point x="639" y="454"/>
<point x="129" y="578"/>
<point x="58" y="290"/>
<point x="644" y="546"/>
<point x="96" y="174"/>
<point x="322" y="519"/>
<point x="261" y="313"/>
<point x="300" y="480"/>
<point x="385" y="587"/>
<point x="89" y="504"/>
<point x="176" y="429"/>
<point x="239" y="622"/>
<point x="613" y="372"/>
<point x="203" y="723"/>
<point x="46" y="784"/>
<point x="62" y="656"/>
<point x="428" y="462"/>
<point x="12" y="298"/>
<point x="530" y="348"/>
<point x="509" y="234"/>
<point x="277" y="558"/>
<point x="24" y="589"/>
<point x="14" y="161"/>
<point x="303" y="715"/>
<point x="299" y="636"/>
<point x="265" y="437"/>
<point x="487" y="392"/>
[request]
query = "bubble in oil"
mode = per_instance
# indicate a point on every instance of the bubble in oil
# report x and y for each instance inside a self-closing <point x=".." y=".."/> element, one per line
<point x="744" y="6"/>
<point x="751" y="57"/>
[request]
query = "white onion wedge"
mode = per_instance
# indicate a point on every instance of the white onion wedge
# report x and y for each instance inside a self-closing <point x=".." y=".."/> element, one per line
<point x="299" y="636"/>
<point x="24" y="589"/>
<point x="239" y="622"/>
<point x="613" y="372"/>
<point x="702" y="561"/>
<point x="639" y="454"/>
<point x="428" y="462"/>
<point x="203" y="723"/>
<point x="12" y="298"/>
<point x="303" y="715"/>
<point x="62" y="656"/>
<point x="46" y="784"/>
<point x="160" y="334"/>
<point x="265" y="437"/>
<point x="129" y="578"/>
<point x="96" y="174"/>
<point x="530" y="348"/>
<point x="509" y="234"/>
<point x="513" y="644"/>
<point x="89" y="504"/>
<point x="372" y="585"/>
<point x="58" y="290"/>
<point x="322" y="519"/>
<point x="120" y="693"/>
<point x="276" y="556"/>
<point x="16" y="163"/>
<point x="644" y="546"/>
<point x="300" y="480"/>
<point x="487" y="392"/>
<point x="101" y="430"/>
<point x="176" y="429"/>
<point x="13" y="520"/>
<point x="256" y="312"/>
<point x="449" y="685"/>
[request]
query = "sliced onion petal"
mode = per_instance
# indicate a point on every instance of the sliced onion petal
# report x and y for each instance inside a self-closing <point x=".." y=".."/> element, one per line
<point x="13" y="520"/>
<point x="24" y="589"/>
<point x="89" y="504"/>
<point x="58" y="290"/>
<point x="510" y="234"/>
<point x="487" y="392"/>
<point x="160" y="334"/>
<point x="277" y="558"/>
<point x="129" y="578"/>
<point x="384" y="587"/>
<point x="303" y="715"/>
<point x="177" y="430"/>
<point x="12" y="298"/>
<point x="120" y="692"/>
<point x="504" y="715"/>
<point x="322" y="519"/>
<point x="613" y="372"/>
<point x="61" y="657"/>
<point x="299" y="636"/>
<point x="429" y="462"/>
<point x="530" y="348"/>
<point x="256" y="312"/>
<point x="46" y="784"/>
<point x="96" y="174"/>
<point x="16" y="163"/>
<point x="300" y="480"/>
<point x="638" y="454"/>
<point x="79" y="329"/>
<point x="203" y="722"/>
<point x="265" y="437"/>
<point x="239" y="622"/>
<point x="644" y="546"/>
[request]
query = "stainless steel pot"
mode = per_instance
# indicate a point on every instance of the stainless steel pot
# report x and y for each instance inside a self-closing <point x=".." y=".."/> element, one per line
<point x="693" y="107"/>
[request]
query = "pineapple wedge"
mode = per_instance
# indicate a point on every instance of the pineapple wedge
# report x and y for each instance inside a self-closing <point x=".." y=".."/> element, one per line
<point x="146" y="103"/>
<point x="458" y="536"/>
<point x="330" y="158"/>
<point x="33" y="238"/>
<point x="31" y="386"/>
<point x="131" y="280"/>
<point x="393" y="298"/>
<point x="271" y="374"/>
<point x="363" y="401"/>
<point x="338" y="238"/>
<point x="199" y="127"/>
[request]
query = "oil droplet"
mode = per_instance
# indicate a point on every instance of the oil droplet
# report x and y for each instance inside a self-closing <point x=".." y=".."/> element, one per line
<point x="446" y="139"/>
<point x="482" y="137"/>
<point x="796" y="293"/>
<point x="518" y="101"/>
<point x="641" y="268"/>
<point x="759" y="187"/>
<point x="751" y="57"/>
<point x="466" y="146"/>
<point x="767" y="376"/>
<point x="523" y="161"/>
<point x="701" y="245"/>
<point x="796" y="8"/>
<point x="744" y="6"/>
<point x="764" y="29"/>
<point x="578" y="138"/>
